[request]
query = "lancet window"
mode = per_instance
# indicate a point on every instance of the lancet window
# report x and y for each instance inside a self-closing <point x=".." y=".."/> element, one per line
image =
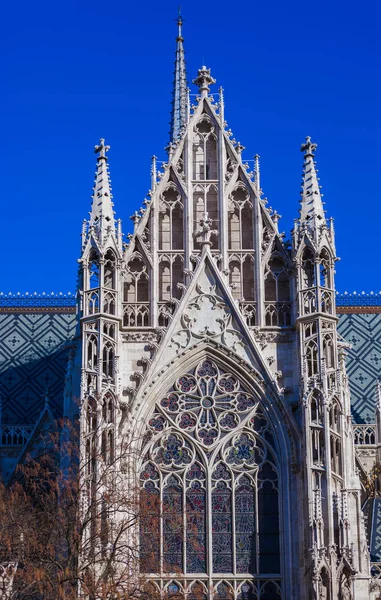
<point x="171" y="224"/>
<point x="109" y="270"/>
<point x="136" y="284"/>
<point x="329" y="351"/>
<point x="205" y="200"/>
<point x="92" y="352"/>
<point x="241" y="276"/>
<point x="136" y="293"/>
<point x="91" y="432"/>
<point x="312" y="358"/>
<point x="240" y="220"/>
<point x="211" y="445"/>
<point x="335" y="437"/>
<point x="325" y="269"/>
<point x="204" y="151"/>
<point x="308" y="269"/>
<point x="108" y="360"/>
<point x="277" y="293"/>
<point x="108" y="433"/>
<point x="317" y="430"/>
<point x="93" y="269"/>
<point x="170" y="274"/>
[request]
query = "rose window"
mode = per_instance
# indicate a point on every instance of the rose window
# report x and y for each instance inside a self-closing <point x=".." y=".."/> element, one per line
<point x="207" y="403"/>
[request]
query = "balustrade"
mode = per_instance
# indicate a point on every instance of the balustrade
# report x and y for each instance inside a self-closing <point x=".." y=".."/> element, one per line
<point x="136" y="315"/>
<point x="15" y="435"/>
<point x="364" y="434"/>
<point x="278" y="314"/>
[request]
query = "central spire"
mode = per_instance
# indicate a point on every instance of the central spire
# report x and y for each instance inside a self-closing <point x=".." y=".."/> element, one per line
<point x="179" y="114"/>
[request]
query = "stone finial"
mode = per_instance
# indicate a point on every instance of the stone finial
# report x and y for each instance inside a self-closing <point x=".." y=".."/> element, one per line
<point x="204" y="80"/>
<point x="206" y="230"/>
<point x="378" y="396"/>
<point x="257" y="172"/>
<point x="101" y="148"/>
<point x="308" y="147"/>
<point x="153" y="172"/>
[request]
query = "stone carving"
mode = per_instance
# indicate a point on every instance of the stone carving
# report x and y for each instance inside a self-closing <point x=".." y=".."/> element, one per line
<point x="143" y="336"/>
<point x="207" y="315"/>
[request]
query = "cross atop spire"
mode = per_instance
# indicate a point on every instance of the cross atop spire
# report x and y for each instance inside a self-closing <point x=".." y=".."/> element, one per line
<point x="101" y="148"/>
<point x="179" y="114"/>
<point x="102" y="214"/>
<point x="308" y="147"/>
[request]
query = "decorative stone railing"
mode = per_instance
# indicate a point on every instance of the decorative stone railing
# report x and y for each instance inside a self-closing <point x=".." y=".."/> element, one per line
<point x="15" y="435"/>
<point x="364" y="434"/>
<point x="136" y="315"/>
<point x="278" y="314"/>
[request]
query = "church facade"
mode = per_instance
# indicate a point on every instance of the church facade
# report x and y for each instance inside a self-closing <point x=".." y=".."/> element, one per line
<point x="215" y="344"/>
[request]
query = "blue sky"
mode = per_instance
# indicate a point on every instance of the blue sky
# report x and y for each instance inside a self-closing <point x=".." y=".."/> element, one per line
<point x="73" y="72"/>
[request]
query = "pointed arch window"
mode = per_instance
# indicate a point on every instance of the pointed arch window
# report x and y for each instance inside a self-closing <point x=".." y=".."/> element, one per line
<point x="329" y="351"/>
<point x="325" y="269"/>
<point x="312" y="355"/>
<point x="108" y="360"/>
<point x="211" y="445"/>
<point x="108" y="409"/>
<point x="91" y="416"/>
<point x="109" y="270"/>
<point x="204" y="151"/>
<point x="277" y="293"/>
<point x="241" y="276"/>
<point x="93" y="269"/>
<point x="170" y="274"/>
<point x="92" y="352"/>
<point x="308" y="269"/>
<point x="136" y="286"/>
<point x="171" y="220"/>
<point x="240" y="222"/>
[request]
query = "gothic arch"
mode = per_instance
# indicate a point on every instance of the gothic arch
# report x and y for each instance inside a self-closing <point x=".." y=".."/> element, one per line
<point x="194" y="450"/>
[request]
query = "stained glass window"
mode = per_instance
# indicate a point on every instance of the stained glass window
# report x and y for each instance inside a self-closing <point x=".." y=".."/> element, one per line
<point x="222" y="528"/>
<point x="211" y="454"/>
<point x="149" y="529"/>
<point x="172" y="526"/>
<point x="268" y="518"/>
<point x="245" y="527"/>
<point x="195" y="524"/>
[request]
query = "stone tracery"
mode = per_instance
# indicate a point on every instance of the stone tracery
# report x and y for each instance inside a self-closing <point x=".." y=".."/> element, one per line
<point x="211" y="450"/>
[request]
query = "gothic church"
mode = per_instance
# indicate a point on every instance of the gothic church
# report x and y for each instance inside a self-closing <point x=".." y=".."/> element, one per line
<point x="216" y="343"/>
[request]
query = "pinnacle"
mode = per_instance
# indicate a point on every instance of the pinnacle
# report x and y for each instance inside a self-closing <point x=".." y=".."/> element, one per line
<point x="204" y="80"/>
<point x="102" y="214"/>
<point x="311" y="198"/>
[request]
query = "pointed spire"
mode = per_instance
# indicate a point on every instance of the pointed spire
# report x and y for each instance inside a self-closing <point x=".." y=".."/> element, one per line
<point x="179" y="115"/>
<point x="311" y="202"/>
<point x="102" y="214"/>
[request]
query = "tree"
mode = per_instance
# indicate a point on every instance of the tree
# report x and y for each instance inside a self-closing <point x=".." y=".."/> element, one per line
<point x="69" y="520"/>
